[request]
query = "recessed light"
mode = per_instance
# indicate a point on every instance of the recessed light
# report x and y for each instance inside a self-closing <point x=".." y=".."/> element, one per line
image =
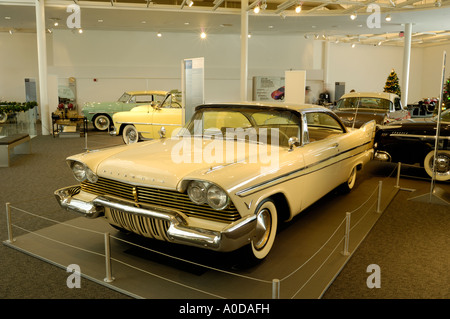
<point x="100" y="20"/>
<point x="7" y="18"/>
<point x="270" y="26"/>
<point x="143" y="22"/>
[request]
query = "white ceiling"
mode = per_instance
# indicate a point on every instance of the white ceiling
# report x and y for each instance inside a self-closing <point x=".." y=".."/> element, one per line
<point x="323" y="19"/>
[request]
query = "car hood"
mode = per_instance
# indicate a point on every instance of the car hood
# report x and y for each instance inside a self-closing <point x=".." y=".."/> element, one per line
<point x="165" y="163"/>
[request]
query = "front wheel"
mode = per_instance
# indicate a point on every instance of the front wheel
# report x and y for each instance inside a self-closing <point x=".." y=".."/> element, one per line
<point x="266" y="228"/>
<point x="3" y="117"/>
<point x="442" y="165"/>
<point x="130" y="135"/>
<point x="101" y="122"/>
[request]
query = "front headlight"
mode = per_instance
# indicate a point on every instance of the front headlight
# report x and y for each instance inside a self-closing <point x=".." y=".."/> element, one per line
<point x="82" y="172"/>
<point x="197" y="192"/>
<point x="217" y="198"/>
<point x="79" y="171"/>
<point x="207" y="193"/>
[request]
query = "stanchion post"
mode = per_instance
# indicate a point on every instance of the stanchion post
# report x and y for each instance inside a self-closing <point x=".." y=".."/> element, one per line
<point x="109" y="277"/>
<point x="8" y="223"/>
<point x="347" y="234"/>
<point x="380" y="187"/>
<point x="275" y="289"/>
<point x="85" y="139"/>
<point x="398" y="174"/>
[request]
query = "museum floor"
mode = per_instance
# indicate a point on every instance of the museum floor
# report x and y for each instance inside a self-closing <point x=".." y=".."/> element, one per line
<point x="410" y="241"/>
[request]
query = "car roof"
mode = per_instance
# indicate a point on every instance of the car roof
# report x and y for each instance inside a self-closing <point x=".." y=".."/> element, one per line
<point x="146" y="92"/>
<point x="268" y="105"/>
<point x="383" y="95"/>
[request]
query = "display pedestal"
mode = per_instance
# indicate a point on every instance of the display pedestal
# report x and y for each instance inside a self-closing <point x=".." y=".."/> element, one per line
<point x="306" y="257"/>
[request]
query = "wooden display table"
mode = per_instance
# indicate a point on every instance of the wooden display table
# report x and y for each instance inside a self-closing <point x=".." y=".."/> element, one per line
<point x="69" y="126"/>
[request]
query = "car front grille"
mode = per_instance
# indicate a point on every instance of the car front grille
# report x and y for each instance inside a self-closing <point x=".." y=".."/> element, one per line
<point x="142" y="225"/>
<point x="159" y="197"/>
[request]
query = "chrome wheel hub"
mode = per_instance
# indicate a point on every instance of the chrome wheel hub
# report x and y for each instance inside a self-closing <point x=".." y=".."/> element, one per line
<point x="263" y="227"/>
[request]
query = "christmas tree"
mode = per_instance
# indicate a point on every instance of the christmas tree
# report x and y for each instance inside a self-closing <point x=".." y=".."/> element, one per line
<point x="392" y="85"/>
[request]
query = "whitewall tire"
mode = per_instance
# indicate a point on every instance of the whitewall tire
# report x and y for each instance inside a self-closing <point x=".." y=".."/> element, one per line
<point x="3" y="117"/>
<point x="442" y="167"/>
<point x="101" y="122"/>
<point x="266" y="228"/>
<point x="130" y="135"/>
<point x="351" y="181"/>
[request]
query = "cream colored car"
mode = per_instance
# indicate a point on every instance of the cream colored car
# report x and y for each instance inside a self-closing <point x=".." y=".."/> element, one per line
<point x="149" y="121"/>
<point x="226" y="179"/>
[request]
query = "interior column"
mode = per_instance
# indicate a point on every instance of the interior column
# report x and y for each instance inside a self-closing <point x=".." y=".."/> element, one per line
<point x="42" y="66"/>
<point x="406" y="63"/>
<point x="244" y="49"/>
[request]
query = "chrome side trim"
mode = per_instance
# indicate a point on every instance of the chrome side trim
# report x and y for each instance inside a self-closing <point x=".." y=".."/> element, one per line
<point x="420" y="136"/>
<point x="289" y="176"/>
<point x="141" y="123"/>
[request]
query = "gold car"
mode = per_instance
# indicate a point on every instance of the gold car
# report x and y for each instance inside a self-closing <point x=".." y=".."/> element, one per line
<point x="149" y="121"/>
<point x="226" y="179"/>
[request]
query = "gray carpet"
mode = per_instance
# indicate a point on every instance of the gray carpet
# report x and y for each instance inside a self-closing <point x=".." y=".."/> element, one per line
<point x="410" y="242"/>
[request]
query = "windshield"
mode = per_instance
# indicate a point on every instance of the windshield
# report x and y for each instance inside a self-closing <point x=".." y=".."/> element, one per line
<point x="124" y="98"/>
<point x="363" y="103"/>
<point x="261" y="126"/>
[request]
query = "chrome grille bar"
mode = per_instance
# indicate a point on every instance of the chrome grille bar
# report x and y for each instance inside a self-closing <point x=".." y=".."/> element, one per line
<point x="159" y="197"/>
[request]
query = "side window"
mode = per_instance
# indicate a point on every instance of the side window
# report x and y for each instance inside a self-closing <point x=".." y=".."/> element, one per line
<point x="322" y="125"/>
<point x="144" y="98"/>
<point x="397" y="104"/>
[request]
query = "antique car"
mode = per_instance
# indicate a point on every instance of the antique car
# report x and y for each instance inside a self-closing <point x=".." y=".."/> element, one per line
<point x="413" y="142"/>
<point x="149" y="121"/>
<point x="357" y="108"/>
<point x="226" y="179"/>
<point x="101" y="113"/>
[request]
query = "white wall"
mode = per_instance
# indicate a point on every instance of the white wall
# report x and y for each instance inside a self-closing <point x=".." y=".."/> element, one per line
<point x="18" y="60"/>
<point x="432" y="69"/>
<point x="366" y="68"/>
<point x="139" y="60"/>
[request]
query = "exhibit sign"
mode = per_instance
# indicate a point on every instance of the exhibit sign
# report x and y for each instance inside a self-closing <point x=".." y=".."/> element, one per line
<point x="295" y="86"/>
<point x="193" y="85"/>
<point x="268" y="88"/>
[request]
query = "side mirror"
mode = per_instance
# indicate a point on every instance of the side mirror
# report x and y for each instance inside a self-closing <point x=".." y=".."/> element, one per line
<point x="293" y="141"/>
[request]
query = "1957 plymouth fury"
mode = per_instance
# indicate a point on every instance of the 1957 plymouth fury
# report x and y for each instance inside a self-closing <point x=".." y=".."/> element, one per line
<point x="226" y="179"/>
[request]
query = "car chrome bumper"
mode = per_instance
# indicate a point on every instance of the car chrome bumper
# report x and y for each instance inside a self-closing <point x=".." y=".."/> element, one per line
<point x="231" y="237"/>
<point x="382" y="156"/>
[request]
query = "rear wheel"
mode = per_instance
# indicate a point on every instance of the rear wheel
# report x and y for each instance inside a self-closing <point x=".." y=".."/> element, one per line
<point x="130" y="135"/>
<point x="350" y="183"/>
<point x="266" y="228"/>
<point x="442" y="165"/>
<point x="101" y="122"/>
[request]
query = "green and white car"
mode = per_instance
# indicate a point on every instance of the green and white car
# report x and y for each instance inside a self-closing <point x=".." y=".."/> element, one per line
<point x="100" y="113"/>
